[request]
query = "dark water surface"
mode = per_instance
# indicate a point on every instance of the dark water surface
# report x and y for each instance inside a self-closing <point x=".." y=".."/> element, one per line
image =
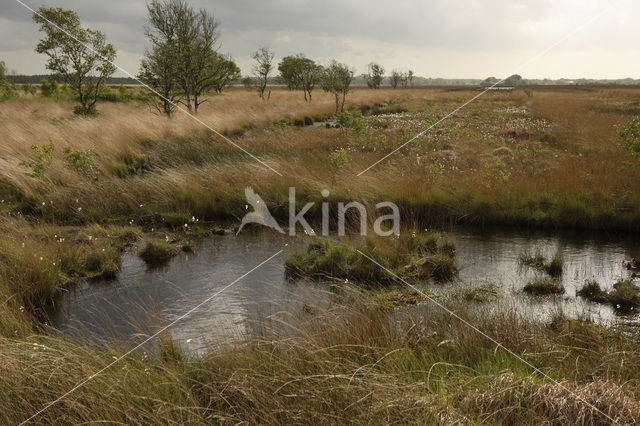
<point x="141" y="300"/>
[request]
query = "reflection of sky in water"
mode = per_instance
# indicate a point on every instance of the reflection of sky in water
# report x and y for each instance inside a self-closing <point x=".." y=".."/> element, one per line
<point x="141" y="300"/>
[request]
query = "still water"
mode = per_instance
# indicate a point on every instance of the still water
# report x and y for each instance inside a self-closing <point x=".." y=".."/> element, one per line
<point x="141" y="300"/>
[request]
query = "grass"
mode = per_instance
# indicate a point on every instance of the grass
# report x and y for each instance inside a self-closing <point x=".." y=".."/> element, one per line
<point x="355" y="362"/>
<point x="157" y="252"/>
<point x="543" y="286"/>
<point x="411" y="255"/>
<point x="539" y="262"/>
<point x="625" y="296"/>
<point x="553" y="160"/>
<point x="400" y="298"/>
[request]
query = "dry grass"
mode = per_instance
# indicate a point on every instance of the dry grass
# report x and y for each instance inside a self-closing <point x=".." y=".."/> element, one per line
<point x="351" y="363"/>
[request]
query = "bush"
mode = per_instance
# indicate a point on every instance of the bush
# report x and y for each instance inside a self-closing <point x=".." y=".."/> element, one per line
<point x="630" y="137"/>
<point x="79" y="161"/>
<point x="42" y="161"/>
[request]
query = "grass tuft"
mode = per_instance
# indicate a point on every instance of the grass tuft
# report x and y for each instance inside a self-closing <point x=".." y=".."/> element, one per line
<point x="542" y="287"/>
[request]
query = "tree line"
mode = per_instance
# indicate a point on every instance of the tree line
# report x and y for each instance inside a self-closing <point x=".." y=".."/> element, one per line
<point x="182" y="62"/>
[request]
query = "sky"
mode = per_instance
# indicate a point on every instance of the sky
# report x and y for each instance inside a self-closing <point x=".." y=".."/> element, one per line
<point x="434" y="38"/>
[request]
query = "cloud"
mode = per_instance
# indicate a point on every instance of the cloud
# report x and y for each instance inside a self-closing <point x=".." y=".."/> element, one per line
<point x="452" y="38"/>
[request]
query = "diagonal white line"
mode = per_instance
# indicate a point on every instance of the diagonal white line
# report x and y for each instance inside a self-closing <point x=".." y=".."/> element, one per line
<point x="494" y="341"/>
<point x="155" y="92"/>
<point x="539" y="55"/>
<point x="147" y="340"/>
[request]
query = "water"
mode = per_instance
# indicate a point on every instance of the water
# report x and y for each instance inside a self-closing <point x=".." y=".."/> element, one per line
<point x="142" y="300"/>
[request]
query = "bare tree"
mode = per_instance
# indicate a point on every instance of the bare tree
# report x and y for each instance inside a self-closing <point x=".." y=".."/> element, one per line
<point x="262" y="68"/>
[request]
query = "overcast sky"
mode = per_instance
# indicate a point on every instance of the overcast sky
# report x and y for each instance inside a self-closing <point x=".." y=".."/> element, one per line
<point x="435" y="38"/>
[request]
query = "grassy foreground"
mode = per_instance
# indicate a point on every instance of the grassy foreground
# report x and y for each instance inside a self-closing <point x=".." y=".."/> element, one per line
<point x="355" y="363"/>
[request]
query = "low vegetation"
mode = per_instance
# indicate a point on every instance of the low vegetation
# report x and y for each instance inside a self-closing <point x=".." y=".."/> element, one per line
<point x="624" y="297"/>
<point x="408" y="256"/>
<point x="543" y="286"/>
<point x="355" y="356"/>
<point x="540" y="263"/>
<point x="157" y="252"/>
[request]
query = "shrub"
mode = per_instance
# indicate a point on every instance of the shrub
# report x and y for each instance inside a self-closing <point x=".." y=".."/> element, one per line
<point x="42" y="161"/>
<point x="630" y="136"/>
<point x="79" y="161"/>
<point x="543" y="287"/>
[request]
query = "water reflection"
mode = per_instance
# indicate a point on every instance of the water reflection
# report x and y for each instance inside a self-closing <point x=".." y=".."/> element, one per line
<point x="140" y="300"/>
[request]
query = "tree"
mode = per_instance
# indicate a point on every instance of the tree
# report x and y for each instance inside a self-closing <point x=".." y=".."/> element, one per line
<point x="158" y="70"/>
<point x="225" y="72"/>
<point x="374" y="76"/>
<point x="395" y="78"/>
<point x="3" y="73"/>
<point x="299" y="73"/>
<point x="79" y="56"/>
<point x="290" y="68"/>
<point x="262" y="68"/>
<point x="336" y="79"/>
<point x="514" y="80"/>
<point x="187" y="41"/>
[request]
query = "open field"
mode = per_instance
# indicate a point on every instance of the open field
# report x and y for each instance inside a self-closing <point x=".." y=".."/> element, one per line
<point x="552" y="160"/>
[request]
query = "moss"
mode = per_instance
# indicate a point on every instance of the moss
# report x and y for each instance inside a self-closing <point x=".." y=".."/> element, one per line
<point x="543" y="287"/>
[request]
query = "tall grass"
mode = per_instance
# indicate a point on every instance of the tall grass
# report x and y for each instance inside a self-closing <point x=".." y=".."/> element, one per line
<point x="354" y="362"/>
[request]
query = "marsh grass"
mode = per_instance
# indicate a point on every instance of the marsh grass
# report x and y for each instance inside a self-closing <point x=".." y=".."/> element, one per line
<point x="543" y="286"/>
<point x="157" y="252"/>
<point x="353" y="362"/>
<point x="624" y="297"/>
<point x="540" y="263"/>
<point x="410" y="255"/>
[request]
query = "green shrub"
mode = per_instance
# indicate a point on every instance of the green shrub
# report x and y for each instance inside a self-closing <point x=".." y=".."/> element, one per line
<point x="79" y="161"/>
<point x="630" y="136"/>
<point x="42" y="160"/>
